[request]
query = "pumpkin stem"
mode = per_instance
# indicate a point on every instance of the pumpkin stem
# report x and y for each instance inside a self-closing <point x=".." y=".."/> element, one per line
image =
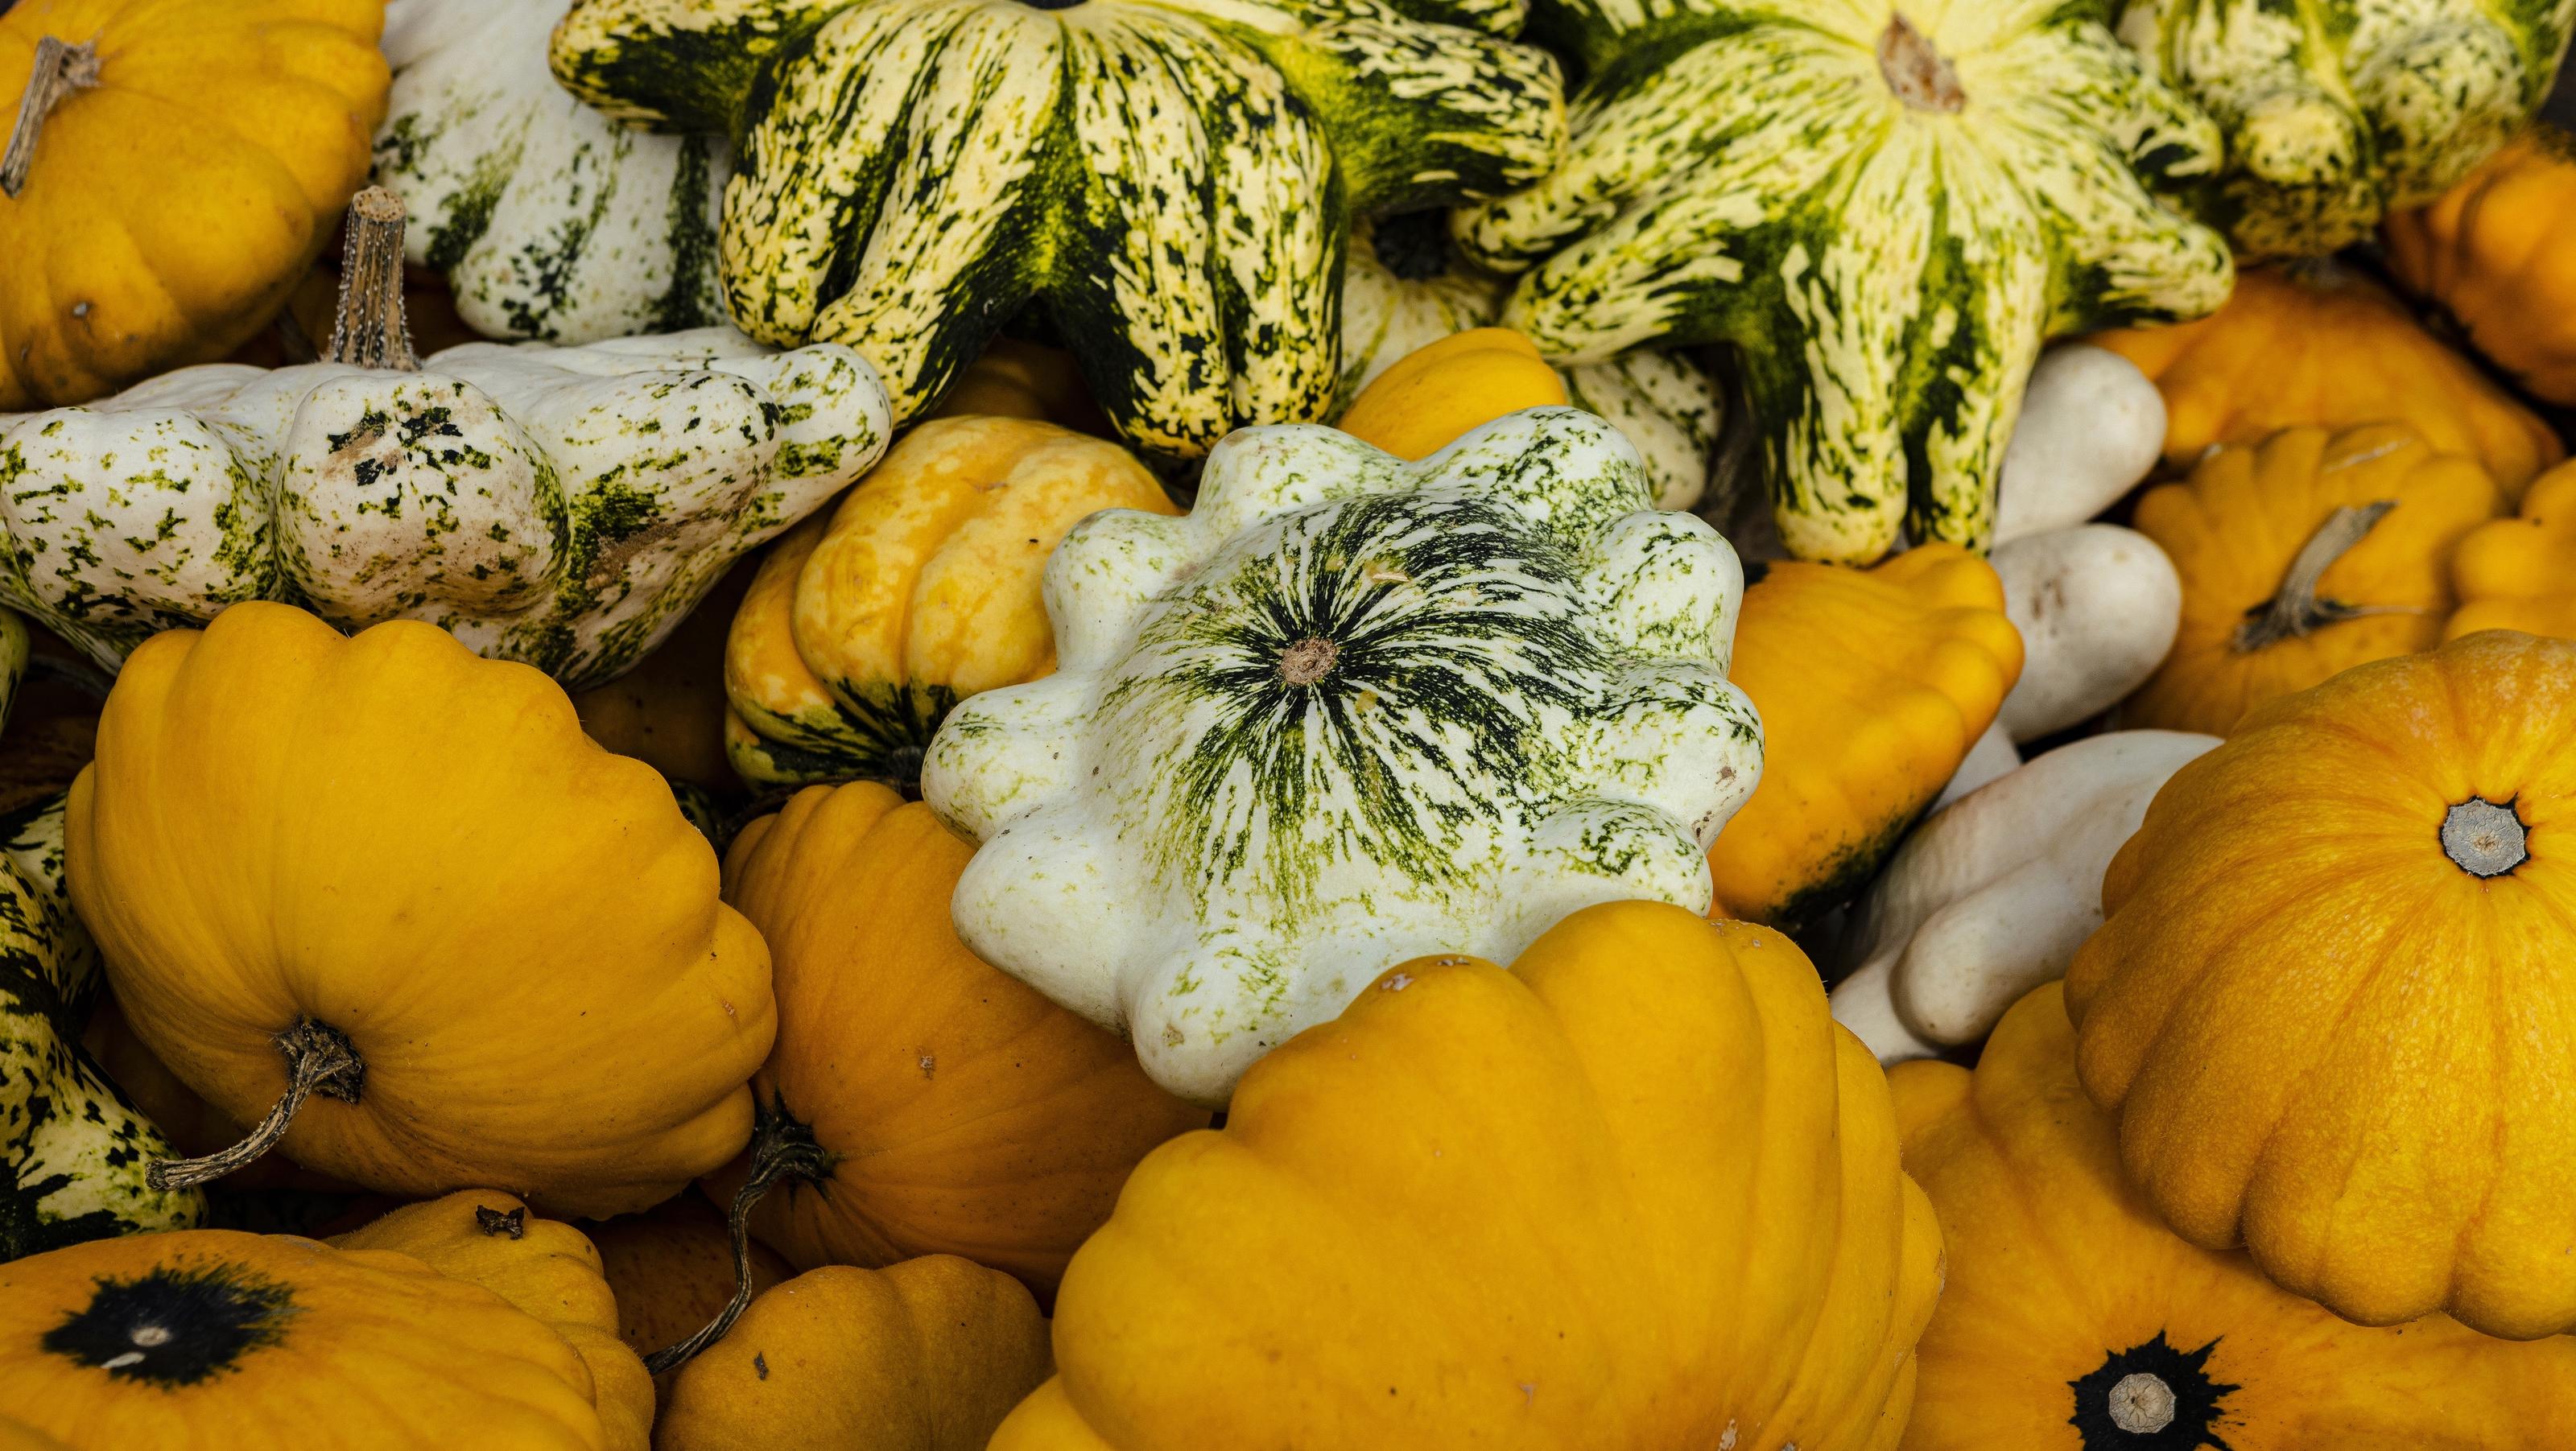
<point x="781" y="1147"/>
<point x="370" y="331"/>
<point x="60" y="70"/>
<point x="2296" y="610"/>
<point x="319" y="1059"/>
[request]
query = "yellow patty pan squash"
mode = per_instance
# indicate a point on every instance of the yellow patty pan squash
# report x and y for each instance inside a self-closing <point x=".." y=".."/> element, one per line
<point x="2496" y="253"/>
<point x="2071" y="1319"/>
<point x="1440" y="390"/>
<point x="2330" y="1003"/>
<point x="1638" y="1191"/>
<point x="2320" y="345"/>
<point x="921" y="587"/>
<point x="174" y="171"/>
<point x="2301" y="556"/>
<point x="383" y="897"/>
<point x="2520" y="573"/>
<point x="1872" y="684"/>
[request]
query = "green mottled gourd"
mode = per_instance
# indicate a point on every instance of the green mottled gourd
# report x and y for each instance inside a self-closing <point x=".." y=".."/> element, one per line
<point x="1887" y="212"/>
<point x="2340" y="111"/>
<point x="1170" y="182"/>
<point x="1347" y="711"/>
<point x="73" y="1148"/>
<point x="562" y="507"/>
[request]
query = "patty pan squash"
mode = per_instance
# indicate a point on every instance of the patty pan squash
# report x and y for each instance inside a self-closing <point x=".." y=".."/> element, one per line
<point x="2492" y="253"/>
<point x="1424" y="400"/>
<point x="2520" y="573"/>
<point x="2328" y="1004"/>
<point x="384" y="900"/>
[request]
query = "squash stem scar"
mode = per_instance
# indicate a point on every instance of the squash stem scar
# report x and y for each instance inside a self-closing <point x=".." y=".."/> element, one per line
<point x="319" y="1059"/>
<point x="60" y="69"/>
<point x="1921" y="76"/>
<point x="781" y="1147"/>
<point x="2485" y="838"/>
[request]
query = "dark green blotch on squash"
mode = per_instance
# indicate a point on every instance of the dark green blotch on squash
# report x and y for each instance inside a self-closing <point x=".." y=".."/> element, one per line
<point x="174" y="1326"/>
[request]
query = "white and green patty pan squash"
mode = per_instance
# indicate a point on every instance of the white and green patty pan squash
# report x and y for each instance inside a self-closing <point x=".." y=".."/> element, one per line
<point x="2339" y="111"/>
<point x="1170" y="179"/>
<point x="1887" y="213"/>
<point x="1347" y="711"/>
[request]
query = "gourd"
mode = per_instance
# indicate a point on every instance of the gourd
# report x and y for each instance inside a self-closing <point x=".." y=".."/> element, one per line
<point x="560" y="506"/>
<point x="1993" y="894"/>
<point x="928" y="1354"/>
<point x="72" y="1146"/>
<point x="2520" y="573"/>
<point x="2491" y="254"/>
<point x="2067" y="1304"/>
<point x="1347" y="710"/>
<point x="167" y="175"/>
<point x="1853" y="196"/>
<point x="1424" y="400"/>
<point x="2337" y="111"/>
<point x="866" y="626"/>
<point x="1670" y="1181"/>
<point x="2091" y="427"/>
<point x="671" y="1269"/>
<point x="1872" y="685"/>
<point x="2318" y="344"/>
<point x="383" y="900"/>
<point x="1991" y="758"/>
<point x="2300" y="557"/>
<point x="547" y="219"/>
<point x="908" y="180"/>
<point x="2097" y="608"/>
<point x="2365" y="881"/>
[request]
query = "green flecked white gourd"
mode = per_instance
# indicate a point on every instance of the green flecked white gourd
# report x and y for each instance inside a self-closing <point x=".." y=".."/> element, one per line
<point x="1886" y="212"/>
<point x="1170" y="182"/>
<point x="563" y="507"/>
<point x="548" y="220"/>
<point x="1347" y="711"/>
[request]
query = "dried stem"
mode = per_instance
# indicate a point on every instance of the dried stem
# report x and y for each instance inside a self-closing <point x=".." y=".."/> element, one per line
<point x="319" y="1059"/>
<point x="60" y="70"/>
<point x="370" y="331"/>
<point x="781" y="1147"/>
<point x="2296" y="610"/>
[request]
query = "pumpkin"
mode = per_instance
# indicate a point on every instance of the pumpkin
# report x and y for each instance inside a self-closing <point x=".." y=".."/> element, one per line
<point x="2520" y="573"/>
<point x="1872" y="685"/>
<point x="2097" y="608"/>
<point x="1348" y="710"/>
<point x="865" y="627"/>
<point x="1428" y="397"/>
<point x="2362" y="901"/>
<point x="2091" y="428"/>
<point x="671" y="1268"/>
<point x="1636" y="1191"/>
<point x="170" y="171"/>
<point x="2300" y="557"/>
<point x="929" y="1354"/>
<point x="2321" y="345"/>
<point x="2490" y="254"/>
<point x="669" y="711"/>
<point x="1886" y="212"/>
<point x="1172" y="190"/>
<point x="383" y="900"/>
<point x="2071" y="1320"/>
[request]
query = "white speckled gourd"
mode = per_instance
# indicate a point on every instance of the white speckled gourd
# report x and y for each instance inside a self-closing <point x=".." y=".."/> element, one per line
<point x="1348" y="711"/>
<point x="549" y="220"/>
<point x="1887" y="220"/>
<point x="1170" y="180"/>
<point x="2092" y="428"/>
<point x="2340" y="111"/>
<point x="2097" y="607"/>
<point x="563" y="507"/>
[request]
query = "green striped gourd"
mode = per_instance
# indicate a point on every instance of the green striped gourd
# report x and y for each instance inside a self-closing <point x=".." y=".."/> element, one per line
<point x="1887" y="220"/>
<point x="1170" y="182"/>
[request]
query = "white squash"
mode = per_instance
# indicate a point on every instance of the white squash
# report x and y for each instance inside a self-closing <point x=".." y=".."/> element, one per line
<point x="2091" y="427"/>
<point x="1991" y="758"/>
<point x="2098" y="607"/>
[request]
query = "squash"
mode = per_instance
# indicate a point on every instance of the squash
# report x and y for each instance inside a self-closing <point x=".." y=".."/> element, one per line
<point x="2520" y="573"/>
<point x="2301" y="557"/>
<point x="385" y="901"/>
<point x="1637" y="1191"/>
<point x="928" y="1354"/>
<point x="1872" y="687"/>
<point x="671" y="1268"/>
<point x="169" y="173"/>
<point x="2321" y="345"/>
<point x="1428" y="397"/>
<point x="2097" y="608"/>
<point x="669" y="711"/>
<point x="2490" y="254"/>
<point x="2091" y="428"/>
<point x="1348" y="710"/>
<point x="1171" y="189"/>
<point x="1886" y="212"/>
<point x="2337" y="111"/>
<point x="1991" y="759"/>
<point x="2071" y="1320"/>
<point x="563" y="507"/>
<point x="1015" y="378"/>
<point x="1993" y="894"/>
<point x="2326" y="1004"/>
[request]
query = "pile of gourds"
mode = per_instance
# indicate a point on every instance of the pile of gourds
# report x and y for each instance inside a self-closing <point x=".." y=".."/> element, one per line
<point x="1111" y="724"/>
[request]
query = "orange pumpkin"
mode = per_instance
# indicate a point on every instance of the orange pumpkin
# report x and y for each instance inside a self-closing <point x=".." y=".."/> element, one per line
<point x="2497" y="253"/>
<point x="2520" y="573"/>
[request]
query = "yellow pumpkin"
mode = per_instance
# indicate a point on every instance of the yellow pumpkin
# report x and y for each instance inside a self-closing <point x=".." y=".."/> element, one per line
<point x="2071" y="1319"/>
<point x="2496" y="254"/>
<point x="381" y="896"/>
<point x="1018" y="379"/>
<point x="2301" y="556"/>
<point x="1442" y="389"/>
<point x="669" y="711"/>
<point x="865" y="625"/>
<point x="2520" y="573"/>
<point x="178" y="168"/>
<point x="671" y="1268"/>
<point x="2330" y="1003"/>
<point x="926" y="1354"/>
<point x="1872" y="684"/>
<point x="2319" y="345"/>
<point x="1639" y="1191"/>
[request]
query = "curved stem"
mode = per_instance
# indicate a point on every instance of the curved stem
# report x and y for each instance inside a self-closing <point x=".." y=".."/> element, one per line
<point x="60" y="69"/>
<point x="319" y="1059"/>
<point x="781" y="1147"/>
<point x="2296" y="610"/>
<point x="370" y="331"/>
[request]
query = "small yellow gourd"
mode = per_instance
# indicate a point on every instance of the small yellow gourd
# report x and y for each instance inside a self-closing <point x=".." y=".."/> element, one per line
<point x="1438" y="391"/>
<point x="2520" y="573"/>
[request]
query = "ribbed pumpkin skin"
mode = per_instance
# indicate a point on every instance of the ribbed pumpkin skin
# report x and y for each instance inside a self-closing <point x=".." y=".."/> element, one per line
<point x="1872" y="686"/>
<point x="2520" y="573"/>
<point x="2493" y="253"/>
<point x="1888" y="221"/>
<point x="1639" y="1191"/>
<point x="1172" y="185"/>
<point x="2323" y="1036"/>
<point x="172" y="207"/>
<point x="2061" y="1282"/>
